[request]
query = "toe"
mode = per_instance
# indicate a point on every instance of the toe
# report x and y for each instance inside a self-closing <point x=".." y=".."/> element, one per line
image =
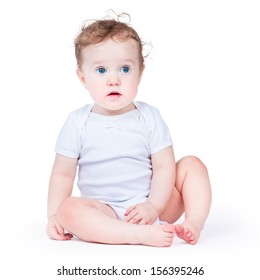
<point x="168" y="228"/>
<point x="178" y="228"/>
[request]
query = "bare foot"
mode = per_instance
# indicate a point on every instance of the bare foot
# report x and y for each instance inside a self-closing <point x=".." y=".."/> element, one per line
<point x="155" y="235"/>
<point x="187" y="233"/>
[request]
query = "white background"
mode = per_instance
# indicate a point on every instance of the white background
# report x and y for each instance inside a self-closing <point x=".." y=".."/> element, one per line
<point x="203" y="74"/>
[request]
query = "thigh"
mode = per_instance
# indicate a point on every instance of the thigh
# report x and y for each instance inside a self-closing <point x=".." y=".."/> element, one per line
<point x="78" y="202"/>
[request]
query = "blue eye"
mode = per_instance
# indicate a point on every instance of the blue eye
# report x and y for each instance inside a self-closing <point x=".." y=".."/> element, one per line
<point x="101" y="70"/>
<point x="125" y="69"/>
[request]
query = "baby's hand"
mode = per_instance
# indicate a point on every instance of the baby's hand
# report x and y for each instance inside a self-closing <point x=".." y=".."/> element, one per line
<point x="142" y="214"/>
<point x="56" y="231"/>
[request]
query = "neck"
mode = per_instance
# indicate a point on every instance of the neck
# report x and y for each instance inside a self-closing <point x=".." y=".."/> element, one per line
<point x="103" y="111"/>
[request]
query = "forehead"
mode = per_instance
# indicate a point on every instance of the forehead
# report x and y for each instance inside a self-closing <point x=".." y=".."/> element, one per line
<point x="111" y="50"/>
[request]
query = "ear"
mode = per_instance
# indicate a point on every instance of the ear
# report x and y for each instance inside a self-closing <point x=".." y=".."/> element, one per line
<point x="81" y="76"/>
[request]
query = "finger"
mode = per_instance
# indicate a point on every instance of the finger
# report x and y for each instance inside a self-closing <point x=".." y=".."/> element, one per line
<point x="55" y="235"/>
<point x="129" y="209"/>
<point x="60" y="230"/>
<point x="142" y="222"/>
<point x="130" y="214"/>
<point x="68" y="236"/>
<point x="130" y="217"/>
<point x="61" y="233"/>
<point x="136" y="219"/>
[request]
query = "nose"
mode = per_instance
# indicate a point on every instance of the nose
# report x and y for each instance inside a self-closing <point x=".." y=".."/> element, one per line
<point x="113" y="80"/>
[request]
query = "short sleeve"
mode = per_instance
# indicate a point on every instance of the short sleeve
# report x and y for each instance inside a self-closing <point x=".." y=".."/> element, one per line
<point x="160" y="137"/>
<point x="158" y="132"/>
<point x="69" y="139"/>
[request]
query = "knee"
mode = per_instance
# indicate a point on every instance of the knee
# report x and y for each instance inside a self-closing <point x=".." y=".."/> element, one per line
<point x="66" y="210"/>
<point x="193" y="163"/>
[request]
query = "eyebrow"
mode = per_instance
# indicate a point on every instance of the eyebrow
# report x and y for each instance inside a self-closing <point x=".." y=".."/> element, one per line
<point x="102" y="62"/>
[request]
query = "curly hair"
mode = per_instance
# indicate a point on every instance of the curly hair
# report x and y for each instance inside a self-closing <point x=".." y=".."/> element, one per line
<point x="100" y="30"/>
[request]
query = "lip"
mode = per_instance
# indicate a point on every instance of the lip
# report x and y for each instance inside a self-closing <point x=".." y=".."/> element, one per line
<point x="114" y="94"/>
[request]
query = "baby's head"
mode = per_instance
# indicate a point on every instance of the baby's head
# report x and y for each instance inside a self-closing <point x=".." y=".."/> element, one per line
<point x="101" y="30"/>
<point x="110" y="64"/>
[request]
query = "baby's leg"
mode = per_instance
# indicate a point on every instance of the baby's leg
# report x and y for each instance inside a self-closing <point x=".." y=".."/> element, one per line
<point x="94" y="221"/>
<point x="192" y="195"/>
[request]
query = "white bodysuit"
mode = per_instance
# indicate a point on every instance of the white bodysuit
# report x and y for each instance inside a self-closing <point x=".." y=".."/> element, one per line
<point x="114" y="153"/>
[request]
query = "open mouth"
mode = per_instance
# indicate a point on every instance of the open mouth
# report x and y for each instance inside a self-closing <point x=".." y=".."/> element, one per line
<point x="114" y="93"/>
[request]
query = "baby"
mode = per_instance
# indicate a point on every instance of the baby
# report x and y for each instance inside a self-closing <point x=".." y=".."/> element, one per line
<point x="132" y="190"/>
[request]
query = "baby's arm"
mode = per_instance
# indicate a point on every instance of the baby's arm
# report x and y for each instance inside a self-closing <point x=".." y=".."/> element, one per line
<point x="60" y="187"/>
<point x="163" y="164"/>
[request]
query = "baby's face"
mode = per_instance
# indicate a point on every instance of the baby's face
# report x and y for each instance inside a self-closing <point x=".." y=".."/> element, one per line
<point x="111" y="72"/>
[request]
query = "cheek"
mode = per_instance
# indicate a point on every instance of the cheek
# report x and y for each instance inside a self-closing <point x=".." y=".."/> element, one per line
<point x="132" y="91"/>
<point x="96" y="90"/>
<point x="92" y="84"/>
<point x="133" y="85"/>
